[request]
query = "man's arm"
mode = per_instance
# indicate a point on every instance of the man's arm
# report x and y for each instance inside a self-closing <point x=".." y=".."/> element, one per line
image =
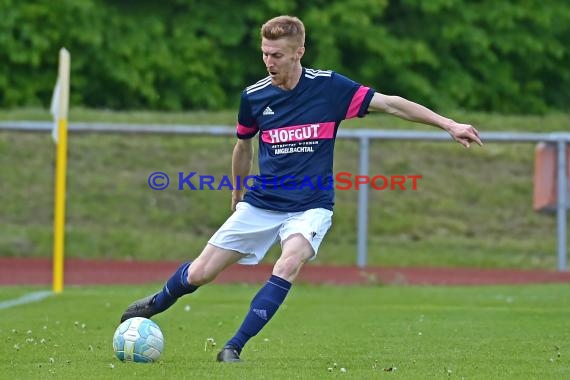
<point x="242" y="159"/>
<point x="464" y="134"/>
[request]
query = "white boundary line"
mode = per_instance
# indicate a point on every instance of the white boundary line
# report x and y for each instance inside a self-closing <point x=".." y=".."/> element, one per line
<point x="25" y="299"/>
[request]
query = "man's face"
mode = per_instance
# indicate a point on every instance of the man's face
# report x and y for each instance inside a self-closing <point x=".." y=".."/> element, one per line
<point x="280" y="57"/>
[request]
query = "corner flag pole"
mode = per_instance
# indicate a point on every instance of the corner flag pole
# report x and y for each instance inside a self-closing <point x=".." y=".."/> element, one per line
<point x="59" y="109"/>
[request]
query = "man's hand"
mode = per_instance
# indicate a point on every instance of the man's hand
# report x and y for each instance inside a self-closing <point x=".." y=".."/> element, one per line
<point x="242" y="159"/>
<point x="464" y="134"/>
<point x="237" y="197"/>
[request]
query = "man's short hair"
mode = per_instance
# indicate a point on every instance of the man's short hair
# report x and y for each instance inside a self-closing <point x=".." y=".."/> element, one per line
<point x="284" y="26"/>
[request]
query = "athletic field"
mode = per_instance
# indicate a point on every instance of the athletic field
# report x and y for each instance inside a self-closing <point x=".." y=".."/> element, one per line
<point x="321" y="331"/>
<point x="383" y="322"/>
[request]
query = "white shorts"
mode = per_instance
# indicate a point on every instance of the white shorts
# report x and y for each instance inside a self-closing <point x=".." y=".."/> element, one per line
<point x="252" y="231"/>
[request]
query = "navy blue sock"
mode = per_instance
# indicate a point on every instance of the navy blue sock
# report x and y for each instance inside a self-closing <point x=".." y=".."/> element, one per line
<point x="263" y="306"/>
<point x="176" y="286"/>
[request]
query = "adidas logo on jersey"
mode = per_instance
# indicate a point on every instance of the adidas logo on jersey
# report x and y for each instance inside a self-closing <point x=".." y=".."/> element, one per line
<point x="268" y="111"/>
<point x="261" y="313"/>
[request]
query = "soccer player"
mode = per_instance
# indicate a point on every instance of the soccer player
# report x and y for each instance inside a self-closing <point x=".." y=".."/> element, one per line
<point x="296" y="111"/>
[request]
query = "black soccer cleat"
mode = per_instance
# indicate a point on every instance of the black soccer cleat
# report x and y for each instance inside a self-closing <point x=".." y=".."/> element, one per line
<point x="228" y="354"/>
<point x="140" y="308"/>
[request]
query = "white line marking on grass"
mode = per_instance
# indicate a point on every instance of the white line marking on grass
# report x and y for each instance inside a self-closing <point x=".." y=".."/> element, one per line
<point x="26" y="298"/>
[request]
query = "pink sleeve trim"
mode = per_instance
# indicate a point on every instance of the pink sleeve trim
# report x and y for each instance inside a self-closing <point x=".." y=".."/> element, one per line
<point x="356" y="102"/>
<point x="242" y="130"/>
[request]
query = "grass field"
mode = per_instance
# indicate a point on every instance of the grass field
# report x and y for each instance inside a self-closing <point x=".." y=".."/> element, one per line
<point x="499" y="332"/>
<point x="472" y="208"/>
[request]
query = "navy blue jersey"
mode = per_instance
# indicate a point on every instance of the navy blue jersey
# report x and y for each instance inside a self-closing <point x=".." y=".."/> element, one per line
<point x="297" y="131"/>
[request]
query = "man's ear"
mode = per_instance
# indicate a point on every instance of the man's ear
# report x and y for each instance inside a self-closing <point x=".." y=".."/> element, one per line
<point x="300" y="52"/>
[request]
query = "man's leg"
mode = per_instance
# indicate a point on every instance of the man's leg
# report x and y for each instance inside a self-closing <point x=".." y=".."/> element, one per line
<point x="296" y="250"/>
<point x="186" y="279"/>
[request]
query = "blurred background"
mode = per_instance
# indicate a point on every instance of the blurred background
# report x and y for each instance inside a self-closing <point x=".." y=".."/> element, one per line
<point x="501" y="66"/>
<point x="186" y="55"/>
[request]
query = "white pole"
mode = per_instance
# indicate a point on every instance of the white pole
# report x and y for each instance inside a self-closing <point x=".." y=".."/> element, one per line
<point x="562" y="205"/>
<point x="362" y="233"/>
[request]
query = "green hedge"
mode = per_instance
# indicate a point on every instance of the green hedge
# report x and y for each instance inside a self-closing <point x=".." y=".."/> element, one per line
<point x="507" y="56"/>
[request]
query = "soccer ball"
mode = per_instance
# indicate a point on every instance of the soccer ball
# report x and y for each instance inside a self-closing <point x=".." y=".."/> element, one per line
<point x="138" y="340"/>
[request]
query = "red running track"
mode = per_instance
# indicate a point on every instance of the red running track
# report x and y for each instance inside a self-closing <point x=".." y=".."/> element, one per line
<point x="18" y="271"/>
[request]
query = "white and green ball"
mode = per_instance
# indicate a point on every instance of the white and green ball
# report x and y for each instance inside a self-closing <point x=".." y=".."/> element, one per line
<point x="138" y="340"/>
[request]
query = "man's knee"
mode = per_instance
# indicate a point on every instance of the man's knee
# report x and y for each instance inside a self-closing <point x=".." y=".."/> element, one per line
<point x="288" y="267"/>
<point x="296" y="252"/>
